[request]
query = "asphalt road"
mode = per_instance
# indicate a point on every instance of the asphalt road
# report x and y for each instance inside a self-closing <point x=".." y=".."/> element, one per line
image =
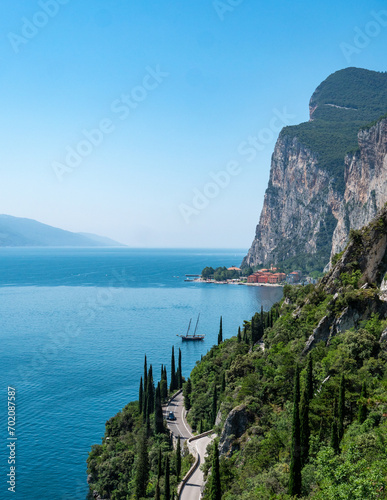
<point x="180" y="427"/>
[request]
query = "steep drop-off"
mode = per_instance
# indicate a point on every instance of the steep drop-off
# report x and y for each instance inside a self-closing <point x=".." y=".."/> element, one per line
<point x="314" y="195"/>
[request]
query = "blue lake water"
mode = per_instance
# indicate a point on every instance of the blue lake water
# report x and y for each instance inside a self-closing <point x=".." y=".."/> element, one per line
<point x="75" y="325"/>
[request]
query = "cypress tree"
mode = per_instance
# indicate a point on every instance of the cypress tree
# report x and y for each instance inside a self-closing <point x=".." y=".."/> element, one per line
<point x="362" y="414"/>
<point x="167" y="488"/>
<point x="253" y="330"/>
<point x="262" y="315"/>
<point x="220" y="334"/>
<point x="150" y="391"/>
<point x="147" y="414"/>
<point x="245" y="334"/>
<point x="201" y="426"/>
<point x="187" y="390"/>
<point x="239" y="337"/>
<point x="304" y="427"/>
<point x="145" y="374"/>
<point x="178" y="458"/>
<point x="341" y="409"/>
<point x="335" y="437"/>
<point x="159" y="466"/>
<point x="172" y="386"/>
<point x="142" y="470"/>
<point x="157" y="492"/>
<point x="145" y="408"/>
<point x="159" y="423"/>
<point x="223" y="386"/>
<point x="140" y="397"/>
<point x="295" y="462"/>
<point x="215" y="486"/>
<point x="214" y="405"/>
<point x="309" y="377"/>
<point x="179" y="372"/>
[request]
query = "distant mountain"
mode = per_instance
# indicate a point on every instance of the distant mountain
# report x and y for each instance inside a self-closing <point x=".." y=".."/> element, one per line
<point x="20" y="232"/>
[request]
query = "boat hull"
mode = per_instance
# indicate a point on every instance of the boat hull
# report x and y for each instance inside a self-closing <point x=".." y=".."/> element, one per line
<point x="191" y="337"/>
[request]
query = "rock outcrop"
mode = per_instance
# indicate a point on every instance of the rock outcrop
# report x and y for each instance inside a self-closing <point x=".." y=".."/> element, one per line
<point x="234" y="427"/>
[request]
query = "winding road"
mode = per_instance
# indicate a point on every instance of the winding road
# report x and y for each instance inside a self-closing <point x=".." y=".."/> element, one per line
<point x="179" y="427"/>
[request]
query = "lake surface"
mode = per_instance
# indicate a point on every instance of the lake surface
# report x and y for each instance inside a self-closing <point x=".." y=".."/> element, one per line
<point x="75" y="325"/>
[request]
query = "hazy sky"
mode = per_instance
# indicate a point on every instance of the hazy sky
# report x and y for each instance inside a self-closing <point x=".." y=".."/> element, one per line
<point x="132" y="119"/>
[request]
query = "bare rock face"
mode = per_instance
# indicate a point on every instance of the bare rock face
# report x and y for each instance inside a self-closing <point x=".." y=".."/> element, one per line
<point x="366" y="184"/>
<point x="234" y="427"/>
<point x="302" y="206"/>
<point x="295" y="208"/>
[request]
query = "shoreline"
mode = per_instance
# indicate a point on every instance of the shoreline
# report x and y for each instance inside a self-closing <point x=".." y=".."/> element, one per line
<point x="200" y="280"/>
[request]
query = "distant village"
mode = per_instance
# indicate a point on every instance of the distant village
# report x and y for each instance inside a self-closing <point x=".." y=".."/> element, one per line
<point x="261" y="277"/>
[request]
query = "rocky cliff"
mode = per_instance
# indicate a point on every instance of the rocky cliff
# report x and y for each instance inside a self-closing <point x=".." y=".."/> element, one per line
<point x="365" y="183"/>
<point x="318" y="190"/>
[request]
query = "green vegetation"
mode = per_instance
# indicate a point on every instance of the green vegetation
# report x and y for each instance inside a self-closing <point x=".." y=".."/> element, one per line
<point x="339" y="428"/>
<point x="136" y="459"/>
<point x="220" y="273"/>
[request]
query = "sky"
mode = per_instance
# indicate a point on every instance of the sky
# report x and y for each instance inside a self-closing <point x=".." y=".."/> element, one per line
<point x="133" y="119"/>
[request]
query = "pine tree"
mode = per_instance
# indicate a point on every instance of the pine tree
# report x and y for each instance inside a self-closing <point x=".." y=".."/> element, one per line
<point x="172" y="386"/>
<point x="159" y="423"/>
<point x="220" y="334"/>
<point x="341" y="409"/>
<point x="362" y="415"/>
<point x="178" y="458"/>
<point x="295" y="462"/>
<point x="140" y="397"/>
<point x="142" y="469"/>
<point x="179" y="373"/>
<point x="167" y="488"/>
<point x="215" y="485"/>
<point x="335" y="437"/>
<point x="239" y="336"/>
<point x="214" y="405"/>
<point x="187" y="390"/>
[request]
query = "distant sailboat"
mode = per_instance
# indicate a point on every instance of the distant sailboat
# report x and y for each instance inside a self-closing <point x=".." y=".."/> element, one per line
<point x="187" y="336"/>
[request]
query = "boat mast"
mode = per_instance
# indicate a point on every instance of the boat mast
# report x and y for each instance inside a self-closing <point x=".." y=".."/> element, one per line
<point x="196" y="327"/>
<point x="189" y="326"/>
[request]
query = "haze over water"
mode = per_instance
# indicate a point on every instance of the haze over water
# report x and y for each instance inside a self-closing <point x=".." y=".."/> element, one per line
<point x="75" y="325"/>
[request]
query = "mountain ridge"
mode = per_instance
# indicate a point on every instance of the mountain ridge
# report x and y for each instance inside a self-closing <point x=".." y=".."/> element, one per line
<point x="22" y="232"/>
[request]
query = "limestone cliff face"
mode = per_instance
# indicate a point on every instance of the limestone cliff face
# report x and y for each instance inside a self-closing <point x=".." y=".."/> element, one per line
<point x="365" y="184"/>
<point x="304" y="213"/>
<point x="299" y="206"/>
